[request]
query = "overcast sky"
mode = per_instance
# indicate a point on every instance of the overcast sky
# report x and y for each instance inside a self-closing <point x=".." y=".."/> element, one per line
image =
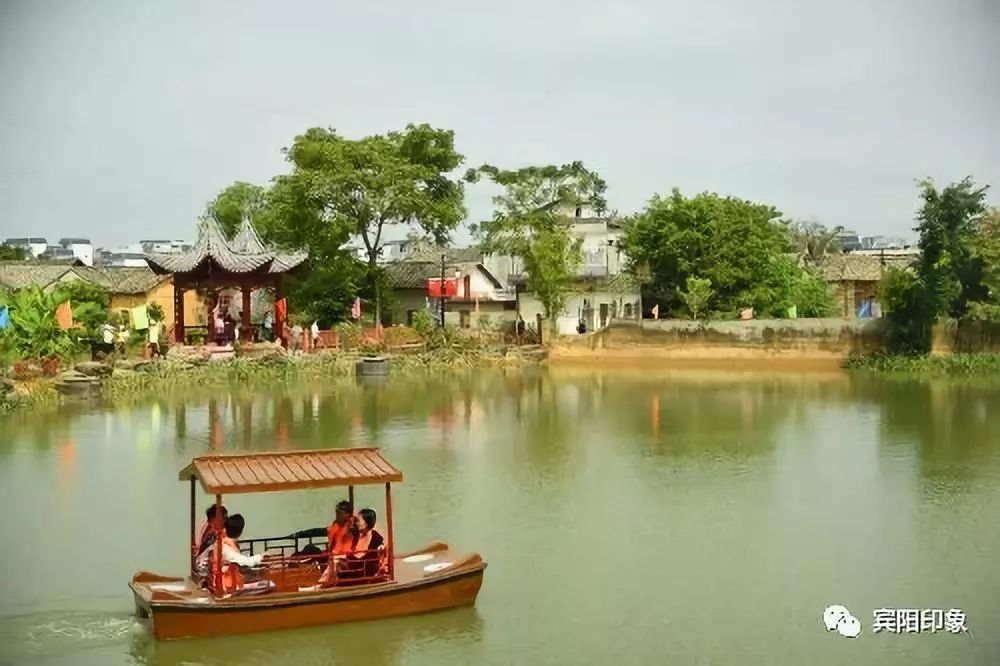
<point x="119" y="120"/>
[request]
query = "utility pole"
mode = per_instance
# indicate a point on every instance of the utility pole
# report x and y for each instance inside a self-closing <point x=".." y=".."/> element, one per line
<point x="441" y="299"/>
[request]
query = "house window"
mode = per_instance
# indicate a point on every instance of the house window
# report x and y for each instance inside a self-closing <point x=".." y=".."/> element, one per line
<point x="628" y="310"/>
<point x="465" y="319"/>
<point x="579" y="211"/>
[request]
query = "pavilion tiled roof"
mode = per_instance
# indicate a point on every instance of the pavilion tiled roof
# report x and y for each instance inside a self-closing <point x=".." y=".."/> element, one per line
<point x="245" y="253"/>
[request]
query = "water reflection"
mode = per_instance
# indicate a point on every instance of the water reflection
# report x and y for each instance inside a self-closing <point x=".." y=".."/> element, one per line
<point x="725" y="478"/>
<point x="377" y="643"/>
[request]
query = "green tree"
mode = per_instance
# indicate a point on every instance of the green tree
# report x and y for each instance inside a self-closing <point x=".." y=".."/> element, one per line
<point x="948" y="275"/>
<point x="528" y="222"/>
<point x="233" y="203"/>
<point x="986" y="248"/>
<point x="699" y="293"/>
<point x="12" y="253"/>
<point x="948" y="221"/>
<point x="742" y="247"/>
<point x="361" y="186"/>
<point x="89" y="302"/>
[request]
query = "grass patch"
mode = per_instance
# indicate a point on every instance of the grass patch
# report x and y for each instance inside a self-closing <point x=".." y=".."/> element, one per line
<point x="954" y="365"/>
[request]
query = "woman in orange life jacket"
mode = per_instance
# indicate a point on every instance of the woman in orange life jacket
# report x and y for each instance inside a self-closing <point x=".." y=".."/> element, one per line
<point x="365" y="556"/>
<point x="367" y="548"/>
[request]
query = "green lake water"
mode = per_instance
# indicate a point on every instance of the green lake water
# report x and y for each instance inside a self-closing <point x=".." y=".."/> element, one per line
<point x="647" y="518"/>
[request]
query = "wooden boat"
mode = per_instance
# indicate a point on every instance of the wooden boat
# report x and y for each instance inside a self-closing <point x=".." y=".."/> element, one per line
<point x="289" y="593"/>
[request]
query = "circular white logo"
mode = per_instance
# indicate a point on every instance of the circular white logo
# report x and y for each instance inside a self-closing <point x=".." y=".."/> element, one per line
<point x="839" y="618"/>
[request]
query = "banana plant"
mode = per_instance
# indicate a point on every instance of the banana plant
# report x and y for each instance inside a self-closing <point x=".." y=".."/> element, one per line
<point x="32" y="331"/>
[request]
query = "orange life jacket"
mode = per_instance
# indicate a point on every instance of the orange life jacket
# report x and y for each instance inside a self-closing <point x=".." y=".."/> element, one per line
<point x="232" y="579"/>
<point x="339" y="538"/>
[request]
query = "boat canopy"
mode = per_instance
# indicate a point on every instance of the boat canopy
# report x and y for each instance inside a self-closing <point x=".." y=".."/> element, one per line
<point x="293" y="470"/>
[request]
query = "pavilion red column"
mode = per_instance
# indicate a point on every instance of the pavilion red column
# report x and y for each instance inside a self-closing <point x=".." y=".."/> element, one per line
<point x="178" y="314"/>
<point x="280" y="314"/>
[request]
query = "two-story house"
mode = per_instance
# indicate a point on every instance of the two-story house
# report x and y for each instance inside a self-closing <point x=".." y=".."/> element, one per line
<point x="602" y="291"/>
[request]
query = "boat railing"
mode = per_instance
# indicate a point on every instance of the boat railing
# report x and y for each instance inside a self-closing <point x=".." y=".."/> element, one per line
<point x="287" y="545"/>
<point x="359" y="568"/>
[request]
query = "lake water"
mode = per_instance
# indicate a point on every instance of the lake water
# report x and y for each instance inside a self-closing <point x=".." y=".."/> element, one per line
<point x="689" y="518"/>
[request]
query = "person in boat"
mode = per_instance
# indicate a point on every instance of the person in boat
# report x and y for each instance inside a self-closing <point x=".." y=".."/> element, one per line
<point x="207" y="528"/>
<point x="232" y="558"/>
<point x="365" y="557"/>
<point x="365" y="554"/>
<point x="339" y="536"/>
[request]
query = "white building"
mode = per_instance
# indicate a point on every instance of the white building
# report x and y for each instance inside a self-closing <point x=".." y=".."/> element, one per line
<point x="81" y="248"/>
<point x="37" y="246"/>
<point x="164" y="246"/>
<point x="125" y="255"/>
<point x="603" y="291"/>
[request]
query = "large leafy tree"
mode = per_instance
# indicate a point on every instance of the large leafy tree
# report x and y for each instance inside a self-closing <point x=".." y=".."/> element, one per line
<point x="948" y="275"/>
<point x="948" y="221"/>
<point x="742" y="247"/>
<point x="529" y="222"/>
<point x="358" y="187"/>
<point x="233" y="203"/>
<point x="986" y="248"/>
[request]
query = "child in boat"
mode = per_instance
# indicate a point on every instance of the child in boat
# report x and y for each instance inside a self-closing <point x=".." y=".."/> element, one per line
<point x="338" y="535"/>
<point x="207" y="527"/>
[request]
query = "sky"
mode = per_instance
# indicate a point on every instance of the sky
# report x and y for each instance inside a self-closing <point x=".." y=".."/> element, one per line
<point x="120" y="120"/>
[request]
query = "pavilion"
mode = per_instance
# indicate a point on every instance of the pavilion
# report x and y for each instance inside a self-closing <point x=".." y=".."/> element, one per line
<point x="215" y="262"/>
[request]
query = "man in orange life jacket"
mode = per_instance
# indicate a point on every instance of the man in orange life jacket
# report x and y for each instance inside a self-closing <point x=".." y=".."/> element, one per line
<point x="232" y="558"/>
<point x="338" y="534"/>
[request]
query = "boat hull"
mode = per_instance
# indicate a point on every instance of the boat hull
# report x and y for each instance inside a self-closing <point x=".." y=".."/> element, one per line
<point x="231" y="617"/>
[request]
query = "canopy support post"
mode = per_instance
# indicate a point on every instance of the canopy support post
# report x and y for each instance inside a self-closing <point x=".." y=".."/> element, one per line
<point x="350" y="496"/>
<point x="388" y="521"/>
<point x="193" y="553"/>
<point x="219" y="536"/>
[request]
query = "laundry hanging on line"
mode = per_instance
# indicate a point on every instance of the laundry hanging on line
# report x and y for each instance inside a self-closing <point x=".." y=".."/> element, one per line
<point x="140" y="318"/>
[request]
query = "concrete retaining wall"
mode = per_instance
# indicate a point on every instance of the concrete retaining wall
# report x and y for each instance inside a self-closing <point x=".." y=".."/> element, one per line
<point x="828" y="340"/>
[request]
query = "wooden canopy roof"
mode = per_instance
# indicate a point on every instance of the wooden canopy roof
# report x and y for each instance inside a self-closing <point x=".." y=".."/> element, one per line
<point x="245" y="253"/>
<point x="295" y="470"/>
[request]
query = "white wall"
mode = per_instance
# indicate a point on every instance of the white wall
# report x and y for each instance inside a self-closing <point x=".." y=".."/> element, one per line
<point x="84" y="252"/>
<point x="567" y="322"/>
